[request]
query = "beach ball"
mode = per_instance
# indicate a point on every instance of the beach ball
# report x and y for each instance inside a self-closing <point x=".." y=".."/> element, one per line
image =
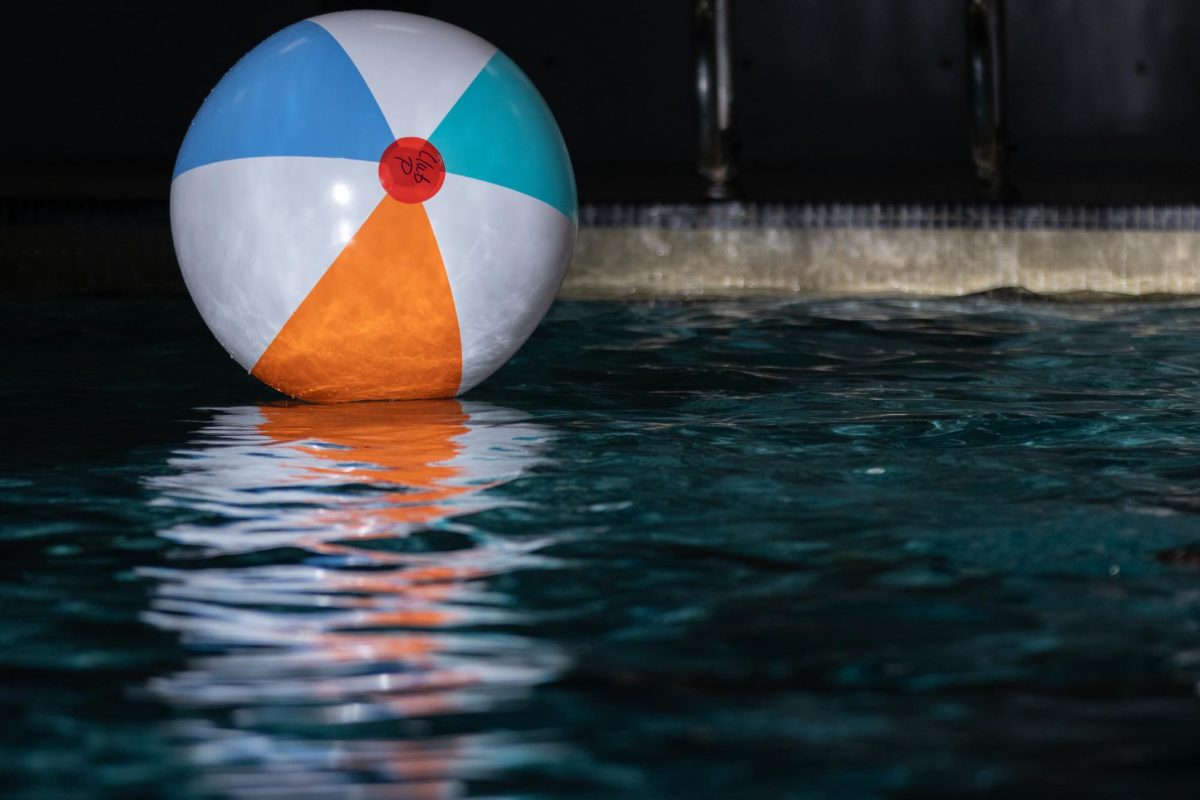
<point x="373" y="205"/>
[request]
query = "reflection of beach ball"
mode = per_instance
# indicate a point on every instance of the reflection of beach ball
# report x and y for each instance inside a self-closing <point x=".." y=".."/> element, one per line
<point x="350" y="471"/>
<point x="373" y="205"/>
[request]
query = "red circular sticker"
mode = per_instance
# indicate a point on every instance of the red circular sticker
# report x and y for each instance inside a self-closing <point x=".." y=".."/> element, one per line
<point x="411" y="170"/>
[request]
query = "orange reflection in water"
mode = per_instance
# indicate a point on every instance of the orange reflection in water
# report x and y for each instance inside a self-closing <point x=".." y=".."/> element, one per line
<point x="414" y="448"/>
<point x="381" y="618"/>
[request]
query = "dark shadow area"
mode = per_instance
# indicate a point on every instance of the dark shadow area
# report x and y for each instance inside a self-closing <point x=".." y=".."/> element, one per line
<point x="835" y="101"/>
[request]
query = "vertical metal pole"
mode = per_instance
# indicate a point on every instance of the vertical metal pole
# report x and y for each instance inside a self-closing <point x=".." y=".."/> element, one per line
<point x="714" y="95"/>
<point x="986" y="69"/>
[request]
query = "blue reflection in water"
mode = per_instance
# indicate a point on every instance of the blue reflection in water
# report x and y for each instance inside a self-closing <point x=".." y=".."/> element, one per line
<point x="314" y="671"/>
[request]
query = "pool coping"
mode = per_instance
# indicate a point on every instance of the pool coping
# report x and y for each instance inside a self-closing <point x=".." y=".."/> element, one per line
<point x="682" y="250"/>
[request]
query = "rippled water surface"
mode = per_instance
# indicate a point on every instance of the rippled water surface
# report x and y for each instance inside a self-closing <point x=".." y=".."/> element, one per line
<point x="824" y="549"/>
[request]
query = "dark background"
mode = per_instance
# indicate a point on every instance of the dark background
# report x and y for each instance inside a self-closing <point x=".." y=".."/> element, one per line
<point x="836" y="99"/>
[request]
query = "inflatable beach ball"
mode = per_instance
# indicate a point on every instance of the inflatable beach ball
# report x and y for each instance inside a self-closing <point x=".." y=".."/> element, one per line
<point x="373" y="205"/>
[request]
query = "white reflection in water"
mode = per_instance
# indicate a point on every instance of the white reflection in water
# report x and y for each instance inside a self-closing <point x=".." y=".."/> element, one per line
<point x="313" y="598"/>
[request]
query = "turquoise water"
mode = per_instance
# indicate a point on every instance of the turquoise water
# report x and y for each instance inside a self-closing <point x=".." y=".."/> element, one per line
<point x="826" y="549"/>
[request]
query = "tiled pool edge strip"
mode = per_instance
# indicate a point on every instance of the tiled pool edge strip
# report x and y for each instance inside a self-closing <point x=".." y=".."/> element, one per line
<point x="942" y="249"/>
<point x="934" y="216"/>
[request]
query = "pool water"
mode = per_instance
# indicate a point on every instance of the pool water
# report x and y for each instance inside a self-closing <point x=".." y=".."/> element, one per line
<point x="812" y="549"/>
